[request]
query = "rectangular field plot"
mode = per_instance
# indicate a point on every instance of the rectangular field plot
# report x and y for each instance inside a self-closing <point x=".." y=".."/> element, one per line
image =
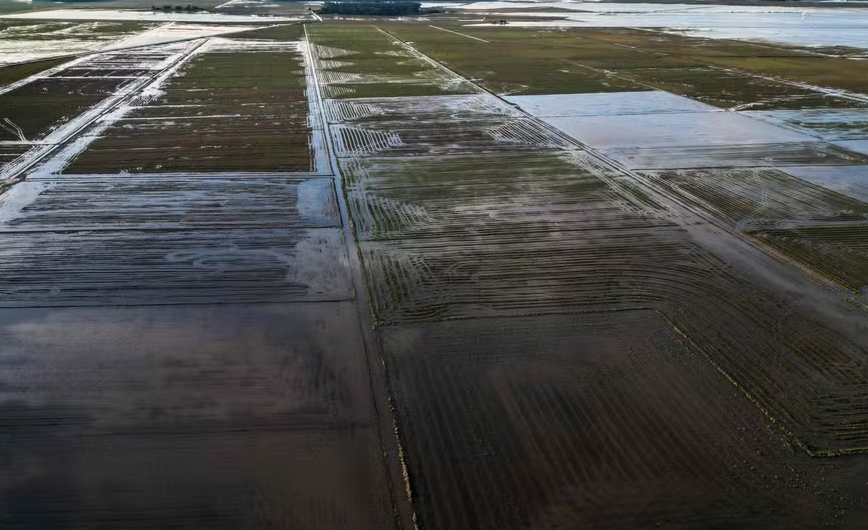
<point x="607" y="104"/>
<point x="184" y="409"/>
<point x="552" y="229"/>
<point x="157" y="240"/>
<point x="32" y="111"/>
<point x="754" y="198"/>
<point x="436" y="125"/>
<point x="740" y="155"/>
<point x="162" y="203"/>
<point x="699" y="139"/>
<point x="44" y="110"/>
<point x="673" y="130"/>
<point x="584" y="421"/>
<point x="839" y="253"/>
<point x="23" y="40"/>
<point x="819" y="221"/>
<point x="400" y="138"/>
<point x="361" y="61"/>
<point x="827" y="124"/>
<point x="504" y="234"/>
<point x="425" y="109"/>
<point x="13" y="73"/>
<point x="851" y="181"/>
<point x="730" y="89"/>
<point x="517" y="62"/>
<point x="159" y="267"/>
<point x="34" y="114"/>
<point x="460" y="237"/>
<point x="236" y="106"/>
<point x="835" y="72"/>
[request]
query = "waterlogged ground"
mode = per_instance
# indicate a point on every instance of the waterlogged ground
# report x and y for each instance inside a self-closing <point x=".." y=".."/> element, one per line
<point x="217" y="113"/>
<point x="181" y="343"/>
<point x="379" y="275"/>
<point x="32" y="40"/>
<point x="525" y="256"/>
<point x="802" y="26"/>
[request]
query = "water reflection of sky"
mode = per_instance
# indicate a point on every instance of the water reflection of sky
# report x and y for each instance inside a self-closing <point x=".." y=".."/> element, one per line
<point x="791" y="25"/>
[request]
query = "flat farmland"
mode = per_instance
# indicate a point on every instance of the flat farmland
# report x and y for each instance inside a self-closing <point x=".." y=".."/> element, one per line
<point x="431" y="274"/>
<point x="220" y="112"/>
<point x="600" y="216"/>
<point x="10" y="74"/>
<point x="361" y="60"/>
<point x="40" y="106"/>
<point x="722" y="73"/>
<point x="41" y="111"/>
<point x="230" y="358"/>
<point x="34" y="40"/>
<point x="592" y="420"/>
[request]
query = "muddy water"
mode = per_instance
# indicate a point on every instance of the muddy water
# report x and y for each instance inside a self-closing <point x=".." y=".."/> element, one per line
<point x="224" y="417"/>
<point x="851" y="181"/>
<point x="177" y="415"/>
<point x="183" y="351"/>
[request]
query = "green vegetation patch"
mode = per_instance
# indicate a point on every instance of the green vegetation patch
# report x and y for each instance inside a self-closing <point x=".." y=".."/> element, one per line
<point x="719" y="72"/>
<point x="790" y="63"/>
<point x="240" y="70"/>
<point x="674" y="44"/>
<point x="727" y="88"/>
<point x="360" y="60"/>
<point x="236" y="111"/>
<point x="38" y="114"/>
<point x="518" y="62"/>
<point x="17" y="72"/>
<point x="846" y="74"/>
<point x="291" y="32"/>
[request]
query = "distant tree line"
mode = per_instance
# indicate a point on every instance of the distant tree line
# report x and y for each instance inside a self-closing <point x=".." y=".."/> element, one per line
<point x="363" y="7"/>
<point x="170" y="8"/>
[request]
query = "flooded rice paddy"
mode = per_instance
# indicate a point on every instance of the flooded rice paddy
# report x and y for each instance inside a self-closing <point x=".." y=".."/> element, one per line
<point x="479" y="219"/>
<point x="803" y="26"/>
<point x="32" y="40"/>
<point x="360" y="275"/>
